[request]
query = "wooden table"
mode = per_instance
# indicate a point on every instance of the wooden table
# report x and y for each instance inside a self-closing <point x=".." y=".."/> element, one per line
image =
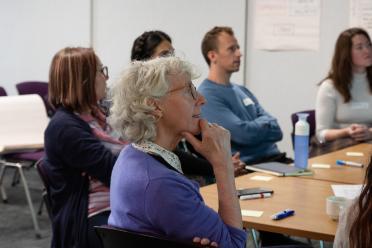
<point x="306" y="197"/>
<point x="317" y="149"/>
<point x="342" y="174"/>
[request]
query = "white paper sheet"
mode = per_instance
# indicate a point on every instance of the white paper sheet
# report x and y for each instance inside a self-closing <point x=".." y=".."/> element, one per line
<point x="251" y="213"/>
<point x="261" y="178"/>
<point x="321" y="166"/>
<point x="347" y="190"/>
<point x="361" y="14"/>
<point x="286" y="24"/>
<point x="355" y="154"/>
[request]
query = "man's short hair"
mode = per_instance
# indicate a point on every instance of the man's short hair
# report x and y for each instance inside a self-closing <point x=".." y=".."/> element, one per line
<point x="209" y="42"/>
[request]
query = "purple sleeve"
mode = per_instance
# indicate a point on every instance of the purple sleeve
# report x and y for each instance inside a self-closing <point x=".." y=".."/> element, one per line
<point x="175" y="207"/>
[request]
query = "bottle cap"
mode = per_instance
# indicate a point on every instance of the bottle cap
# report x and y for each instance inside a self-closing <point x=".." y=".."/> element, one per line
<point x="302" y="116"/>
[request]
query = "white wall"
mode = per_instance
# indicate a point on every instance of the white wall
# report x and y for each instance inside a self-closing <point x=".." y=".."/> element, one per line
<point x="117" y="23"/>
<point x="33" y="31"/>
<point x="286" y="82"/>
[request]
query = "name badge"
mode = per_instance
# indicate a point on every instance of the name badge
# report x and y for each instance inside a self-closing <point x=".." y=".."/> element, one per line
<point x="360" y="105"/>
<point x="247" y="101"/>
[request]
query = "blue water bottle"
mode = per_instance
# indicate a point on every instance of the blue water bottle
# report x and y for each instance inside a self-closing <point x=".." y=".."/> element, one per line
<point x="301" y="141"/>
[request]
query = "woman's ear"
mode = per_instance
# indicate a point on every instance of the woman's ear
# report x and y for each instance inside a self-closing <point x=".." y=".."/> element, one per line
<point x="158" y="111"/>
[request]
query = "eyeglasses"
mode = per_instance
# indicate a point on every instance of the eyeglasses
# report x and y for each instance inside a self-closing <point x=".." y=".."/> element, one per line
<point x="191" y="89"/>
<point x="167" y="53"/>
<point x="104" y="71"/>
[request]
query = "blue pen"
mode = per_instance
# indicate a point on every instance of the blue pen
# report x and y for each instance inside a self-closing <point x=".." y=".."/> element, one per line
<point x="351" y="163"/>
<point x="283" y="214"/>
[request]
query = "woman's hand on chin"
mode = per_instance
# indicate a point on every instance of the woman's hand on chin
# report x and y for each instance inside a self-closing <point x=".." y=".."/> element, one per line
<point x="215" y="143"/>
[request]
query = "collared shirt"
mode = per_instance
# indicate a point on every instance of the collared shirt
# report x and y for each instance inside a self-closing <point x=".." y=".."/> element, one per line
<point x="152" y="148"/>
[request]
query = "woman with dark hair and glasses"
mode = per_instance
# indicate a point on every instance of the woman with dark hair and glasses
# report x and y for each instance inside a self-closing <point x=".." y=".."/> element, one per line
<point x="80" y="147"/>
<point x="151" y="44"/>
<point x="154" y="44"/>
<point x="344" y="99"/>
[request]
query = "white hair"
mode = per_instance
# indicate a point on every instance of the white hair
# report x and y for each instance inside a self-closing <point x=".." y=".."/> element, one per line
<point x="131" y="111"/>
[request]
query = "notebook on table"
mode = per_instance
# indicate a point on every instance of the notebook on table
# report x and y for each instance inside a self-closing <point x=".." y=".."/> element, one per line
<point x="254" y="191"/>
<point x="279" y="169"/>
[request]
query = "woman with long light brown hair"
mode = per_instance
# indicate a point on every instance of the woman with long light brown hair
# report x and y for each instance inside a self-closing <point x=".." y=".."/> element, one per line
<point x="344" y="99"/>
<point x="80" y="147"/>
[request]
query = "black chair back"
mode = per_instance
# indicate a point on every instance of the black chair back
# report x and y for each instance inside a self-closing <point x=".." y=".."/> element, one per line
<point x="32" y="87"/>
<point x="118" y="238"/>
<point x="310" y="120"/>
<point x="3" y="92"/>
<point x="36" y="87"/>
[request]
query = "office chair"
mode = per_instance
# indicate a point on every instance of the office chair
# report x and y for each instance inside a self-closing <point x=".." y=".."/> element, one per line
<point x="20" y="156"/>
<point x="23" y="121"/>
<point x="25" y="157"/>
<point x="36" y="87"/>
<point x="310" y="120"/>
<point x="112" y="237"/>
<point x="3" y="92"/>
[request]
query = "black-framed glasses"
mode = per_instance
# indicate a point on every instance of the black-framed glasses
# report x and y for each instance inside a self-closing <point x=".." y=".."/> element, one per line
<point x="191" y="88"/>
<point x="193" y="91"/>
<point x="104" y="71"/>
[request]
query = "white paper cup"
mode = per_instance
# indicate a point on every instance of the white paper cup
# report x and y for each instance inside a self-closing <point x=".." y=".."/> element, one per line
<point x="334" y="205"/>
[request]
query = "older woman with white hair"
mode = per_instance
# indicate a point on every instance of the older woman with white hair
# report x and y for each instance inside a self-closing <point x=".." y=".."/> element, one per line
<point x="155" y="105"/>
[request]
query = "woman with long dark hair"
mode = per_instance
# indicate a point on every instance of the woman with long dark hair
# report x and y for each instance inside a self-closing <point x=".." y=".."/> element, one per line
<point x="344" y="99"/>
